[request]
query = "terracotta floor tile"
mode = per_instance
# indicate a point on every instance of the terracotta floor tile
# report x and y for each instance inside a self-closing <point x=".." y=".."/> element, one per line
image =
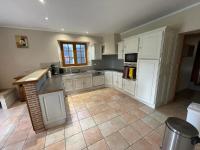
<point x="16" y="146"/>
<point x="87" y="123"/>
<point x="92" y="135"/>
<point x="142" y="145"/>
<point x="35" y="141"/>
<point x="104" y="116"/>
<point x="141" y="127"/>
<point x="130" y="134"/>
<point x="72" y="129"/>
<point x="116" y="142"/>
<point x="129" y="118"/>
<point x="154" y="139"/>
<point x="54" y="137"/>
<point x="100" y="145"/>
<point x="107" y="128"/>
<point x="146" y="109"/>
<point x="83" y="114"/>
<point x="138" y="113"/>
<point x="17" y="137"/>
<point x="57" y="146"/>
<point x="75" y="142"/>
<point x="159" y="116"/>
<point x="153" y="123"/>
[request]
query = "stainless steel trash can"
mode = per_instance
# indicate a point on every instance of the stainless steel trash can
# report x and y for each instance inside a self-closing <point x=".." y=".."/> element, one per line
<point x="179" y="135"/>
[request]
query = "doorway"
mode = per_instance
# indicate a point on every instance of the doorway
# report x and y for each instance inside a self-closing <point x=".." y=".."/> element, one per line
<point x="188" y="81"/>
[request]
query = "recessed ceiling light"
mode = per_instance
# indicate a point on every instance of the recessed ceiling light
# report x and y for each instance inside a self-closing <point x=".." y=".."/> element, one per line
<point x="46" y="18"/>
<point x="87" y="32"/>
<point x="42" y="1"/>
<point x="62" y="29"/>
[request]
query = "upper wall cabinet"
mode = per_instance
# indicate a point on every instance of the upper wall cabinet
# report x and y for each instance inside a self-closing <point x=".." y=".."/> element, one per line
<point x="110" y="44"/>
<point x="94" y="52"/>
<point x="131" y="44"/>
<point x="121" y="50"/>
<point x="150" y="45"/>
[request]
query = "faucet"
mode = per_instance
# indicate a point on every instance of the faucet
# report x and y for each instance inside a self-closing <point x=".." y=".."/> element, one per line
<point x="70" y="70"/>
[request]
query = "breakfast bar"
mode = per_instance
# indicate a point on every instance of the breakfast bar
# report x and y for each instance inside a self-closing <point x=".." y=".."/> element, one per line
<point x="45" y="99"/>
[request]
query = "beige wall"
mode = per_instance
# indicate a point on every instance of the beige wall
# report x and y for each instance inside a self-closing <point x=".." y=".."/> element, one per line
<point x="183" y="21"/>
<point x="43" y="48"/>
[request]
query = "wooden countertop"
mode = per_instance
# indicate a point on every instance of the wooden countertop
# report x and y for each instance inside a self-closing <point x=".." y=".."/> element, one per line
<point x="33" y="77"/>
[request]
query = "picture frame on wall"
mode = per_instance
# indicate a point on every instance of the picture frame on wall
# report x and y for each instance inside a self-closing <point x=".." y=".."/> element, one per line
<point x="21" y="41"/>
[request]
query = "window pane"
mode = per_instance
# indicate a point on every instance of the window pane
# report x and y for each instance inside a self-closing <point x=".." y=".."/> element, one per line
<point x="71" y="54"/>
<point x="66" y="53"/>
<point x="79" y="60"/>
<point x="78" y="54"/>
<point x="70" y="47"/>
<point x="83" y="47"/>
<point x="83" y="61"/>
<point x="78" y="47"/>
<point x="66" y="60"/>
<point x="71" y="60"/>
<point x="82" y="53"/>
<point x="65" y="47"/>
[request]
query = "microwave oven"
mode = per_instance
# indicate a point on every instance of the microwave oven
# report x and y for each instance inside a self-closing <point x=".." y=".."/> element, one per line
<point x="131" y="57"/>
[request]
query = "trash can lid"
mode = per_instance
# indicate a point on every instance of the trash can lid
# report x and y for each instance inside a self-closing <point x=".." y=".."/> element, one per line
<point x="181" y="127"/>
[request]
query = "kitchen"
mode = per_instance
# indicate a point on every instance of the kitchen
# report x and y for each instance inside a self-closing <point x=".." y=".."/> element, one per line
<point x="74" y="83"/>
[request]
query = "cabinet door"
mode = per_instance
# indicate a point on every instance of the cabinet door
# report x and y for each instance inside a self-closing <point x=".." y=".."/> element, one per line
<point x="53" y="107"/>
<point x="78" y="84"/>
<point x="121" y="50"/>
<point x="120" y="80"/>
<point x="87" y="82"/>
<point x="131" y="44"/>
<point x="95" y="52"/>
<point x="108" y="78"/>
<point x="150" y="45"/>
<point x="146" y="80"/>
<point x="98" y="80"/>
<point x="129" y="86"/>
<point x="115" y="79"/>
<point x="68" y="84"/>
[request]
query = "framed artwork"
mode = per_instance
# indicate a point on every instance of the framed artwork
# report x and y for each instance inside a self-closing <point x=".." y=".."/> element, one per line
<point x="21" y="41"/>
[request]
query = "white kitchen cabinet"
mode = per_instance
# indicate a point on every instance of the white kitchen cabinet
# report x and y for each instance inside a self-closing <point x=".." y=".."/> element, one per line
<point x="117" y="79"/>
<point x="95" y="52"/>
<point x="129" y="86"/>
<point x="53" y="108"/>
<point x="151" y="45"/>
<point x="120" y="80"/>
<point x="108" y="78"/>
<point x="87" y="82"/>
<point x="147" y="74"/>
<point x="131" y="44"/>
<point x="98" y="80"/>
<point x="78" y="84"/>
<point x="121" y="50"/>
<point x="110" y="44"/>
<point x="68" y="84"/>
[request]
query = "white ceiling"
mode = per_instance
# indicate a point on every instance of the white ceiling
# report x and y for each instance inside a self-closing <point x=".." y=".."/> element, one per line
<point x="80" y="16"/>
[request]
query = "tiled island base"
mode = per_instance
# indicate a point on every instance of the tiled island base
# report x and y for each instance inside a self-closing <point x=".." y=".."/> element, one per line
<point x="98" y="120"/>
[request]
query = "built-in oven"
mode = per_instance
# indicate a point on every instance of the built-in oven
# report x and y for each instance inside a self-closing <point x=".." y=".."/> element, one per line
<point x="131" y="57"/>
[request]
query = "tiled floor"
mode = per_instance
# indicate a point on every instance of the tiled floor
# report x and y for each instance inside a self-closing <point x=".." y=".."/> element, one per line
<point x="98" y="120"/>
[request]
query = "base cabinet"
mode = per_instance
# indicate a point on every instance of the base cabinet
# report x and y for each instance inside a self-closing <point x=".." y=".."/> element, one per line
<point x="129" y="86"/>
<point x="53" y="108"/>
<point x="108" y="78"/>
<point x="98" y="80"/>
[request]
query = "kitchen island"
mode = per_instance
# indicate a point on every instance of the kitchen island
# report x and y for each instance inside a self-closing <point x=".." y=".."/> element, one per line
<point x="45" y="99"/>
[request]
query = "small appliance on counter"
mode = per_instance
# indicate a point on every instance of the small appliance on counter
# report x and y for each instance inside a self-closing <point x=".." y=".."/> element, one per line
<point x="54" y="69"/>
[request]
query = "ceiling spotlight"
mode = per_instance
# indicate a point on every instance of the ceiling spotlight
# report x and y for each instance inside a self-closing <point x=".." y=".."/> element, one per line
<point x="46" y="18"/>
<point x="42" y="1"/>
<point x="62" y="29"/>
<point x="87" y="32"/>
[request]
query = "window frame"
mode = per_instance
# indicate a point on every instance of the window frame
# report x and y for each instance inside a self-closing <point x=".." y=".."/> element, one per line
<point x="74" y="53"/>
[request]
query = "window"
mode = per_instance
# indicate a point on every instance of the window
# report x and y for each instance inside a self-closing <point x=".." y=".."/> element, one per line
<point x="73" y="53"/>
